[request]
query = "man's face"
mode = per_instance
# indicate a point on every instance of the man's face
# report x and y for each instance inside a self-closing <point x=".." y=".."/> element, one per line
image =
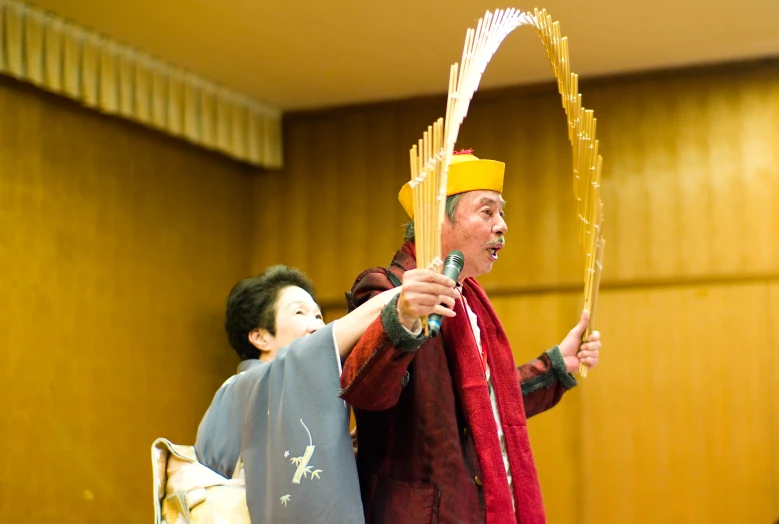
<point x="477" y="231"/>
<point x="297" y="315"/>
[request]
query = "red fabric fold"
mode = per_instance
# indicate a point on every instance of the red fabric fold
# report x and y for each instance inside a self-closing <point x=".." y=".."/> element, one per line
<point x="474" y="393"/>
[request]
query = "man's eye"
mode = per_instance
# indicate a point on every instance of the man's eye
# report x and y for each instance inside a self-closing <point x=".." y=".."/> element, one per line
<point x="488" y="212"/>
<point x="320" y="317"/>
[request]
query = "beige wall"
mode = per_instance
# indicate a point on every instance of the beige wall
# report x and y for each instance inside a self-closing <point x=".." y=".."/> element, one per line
<point x="117" y="249"/>
<point x="680" y="422"/>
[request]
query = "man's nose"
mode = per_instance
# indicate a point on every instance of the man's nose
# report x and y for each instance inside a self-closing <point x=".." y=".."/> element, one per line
<point x="500" y="226"/>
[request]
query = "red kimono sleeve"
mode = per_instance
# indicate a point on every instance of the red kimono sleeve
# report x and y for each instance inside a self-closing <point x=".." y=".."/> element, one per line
<point x="543" y="382"/>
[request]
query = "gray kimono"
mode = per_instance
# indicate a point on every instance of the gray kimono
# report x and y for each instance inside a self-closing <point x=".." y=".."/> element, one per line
<point x="286" y="420"/>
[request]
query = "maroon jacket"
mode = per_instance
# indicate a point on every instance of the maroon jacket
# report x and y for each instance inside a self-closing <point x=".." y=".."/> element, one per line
<point x="416" y="457"/>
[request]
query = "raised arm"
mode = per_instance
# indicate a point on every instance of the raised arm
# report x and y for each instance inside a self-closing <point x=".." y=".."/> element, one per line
<point x="372" y="374"/>
<point x="348" y="329"/>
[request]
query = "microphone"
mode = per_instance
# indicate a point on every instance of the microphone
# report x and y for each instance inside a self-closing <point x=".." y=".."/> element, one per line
<point x="452" y="267"/>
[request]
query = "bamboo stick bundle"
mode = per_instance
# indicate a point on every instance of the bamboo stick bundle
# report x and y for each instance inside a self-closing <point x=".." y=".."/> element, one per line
<point x="587" y="162"/>
<point x="431" y="157"/>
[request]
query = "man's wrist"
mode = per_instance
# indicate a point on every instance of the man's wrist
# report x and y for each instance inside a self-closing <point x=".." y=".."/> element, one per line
<point x="415" y="330"/>
<point x="400" y="336"/>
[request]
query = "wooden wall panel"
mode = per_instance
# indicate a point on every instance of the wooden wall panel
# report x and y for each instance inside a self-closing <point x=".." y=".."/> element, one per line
<point x="331" y="200"/>
<point x="773" y="414"/>
<point x="694" y="176"/>
<point x="118" y="247"/>
<point x="678" y="425"/>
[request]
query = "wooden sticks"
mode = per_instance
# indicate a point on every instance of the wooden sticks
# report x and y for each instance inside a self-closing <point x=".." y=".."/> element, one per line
<point x="431" y="157"/>
<point x="426" y="167"/>
<point x="587" y="162"/>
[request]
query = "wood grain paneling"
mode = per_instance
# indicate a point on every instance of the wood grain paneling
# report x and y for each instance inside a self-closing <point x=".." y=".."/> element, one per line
<point x="681" y="409"/>
<point x="678" y="422"/>
<point x="118" y="247"/>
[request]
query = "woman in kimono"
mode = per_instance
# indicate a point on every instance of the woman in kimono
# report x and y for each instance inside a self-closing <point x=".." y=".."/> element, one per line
<point x="281" y="413"/>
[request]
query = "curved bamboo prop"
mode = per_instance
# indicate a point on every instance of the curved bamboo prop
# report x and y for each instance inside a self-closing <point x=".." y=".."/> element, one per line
<point x="431" y="157"/>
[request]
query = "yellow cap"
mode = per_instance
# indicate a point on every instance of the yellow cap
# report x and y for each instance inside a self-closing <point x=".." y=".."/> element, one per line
<point x="466" y="173"/>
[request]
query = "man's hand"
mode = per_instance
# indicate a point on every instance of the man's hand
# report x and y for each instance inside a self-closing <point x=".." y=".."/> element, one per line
<point x="424" y="292"/>
<point x="587" y="353"/>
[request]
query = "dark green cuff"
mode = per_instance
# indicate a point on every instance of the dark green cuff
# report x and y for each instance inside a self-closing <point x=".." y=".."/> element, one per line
<point x="558" y="366"/>
<point x="399" y="335"/>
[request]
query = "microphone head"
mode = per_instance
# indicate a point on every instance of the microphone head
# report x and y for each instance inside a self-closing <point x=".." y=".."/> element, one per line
<point x="455" y="258"/>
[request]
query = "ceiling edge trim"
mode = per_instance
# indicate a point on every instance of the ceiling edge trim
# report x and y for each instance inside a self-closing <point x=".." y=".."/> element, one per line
<point x="59" y="56"/>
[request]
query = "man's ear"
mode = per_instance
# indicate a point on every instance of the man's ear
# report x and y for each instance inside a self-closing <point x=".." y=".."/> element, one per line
<point x="261" y="339"/>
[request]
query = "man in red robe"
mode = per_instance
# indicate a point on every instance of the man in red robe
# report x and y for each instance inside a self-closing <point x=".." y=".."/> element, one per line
<point x="442" y="428"/>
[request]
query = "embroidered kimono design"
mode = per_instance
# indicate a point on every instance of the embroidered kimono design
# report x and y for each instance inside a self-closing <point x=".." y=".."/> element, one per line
<point x="303" y="469"/>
